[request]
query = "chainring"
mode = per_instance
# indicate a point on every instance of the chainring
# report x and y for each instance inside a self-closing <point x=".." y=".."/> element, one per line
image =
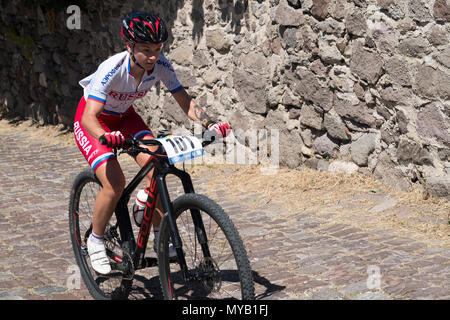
<point x="119" y="256"/>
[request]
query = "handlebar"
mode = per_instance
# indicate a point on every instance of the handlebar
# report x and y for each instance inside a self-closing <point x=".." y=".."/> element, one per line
<point x="132" y="145"/>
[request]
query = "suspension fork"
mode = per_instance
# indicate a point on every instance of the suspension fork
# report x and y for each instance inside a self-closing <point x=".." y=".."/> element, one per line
<point x="196" y="217"/>
<point x="168" y="213"/>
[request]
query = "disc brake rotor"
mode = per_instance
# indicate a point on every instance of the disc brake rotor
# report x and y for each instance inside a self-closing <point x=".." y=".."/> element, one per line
<point x="209" y="274"/>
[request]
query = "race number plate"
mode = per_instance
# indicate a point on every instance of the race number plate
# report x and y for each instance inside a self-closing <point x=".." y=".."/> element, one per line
<point x="181" y="148"/>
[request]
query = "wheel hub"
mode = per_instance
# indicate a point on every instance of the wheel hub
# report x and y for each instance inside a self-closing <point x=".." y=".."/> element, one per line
<point x="209" y="274"/>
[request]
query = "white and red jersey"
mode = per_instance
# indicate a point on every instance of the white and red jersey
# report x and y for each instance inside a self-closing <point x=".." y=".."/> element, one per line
<point x="114" y="85"/>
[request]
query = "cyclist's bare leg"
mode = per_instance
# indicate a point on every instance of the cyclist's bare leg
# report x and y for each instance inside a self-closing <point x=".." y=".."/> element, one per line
<point x="113" y="181"/>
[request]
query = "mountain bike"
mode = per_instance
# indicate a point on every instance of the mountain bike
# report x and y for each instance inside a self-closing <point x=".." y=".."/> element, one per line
<point x="211" y="261"/>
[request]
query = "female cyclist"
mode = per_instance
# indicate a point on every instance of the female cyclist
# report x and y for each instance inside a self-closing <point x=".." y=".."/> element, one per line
<point x="106" y="110"/>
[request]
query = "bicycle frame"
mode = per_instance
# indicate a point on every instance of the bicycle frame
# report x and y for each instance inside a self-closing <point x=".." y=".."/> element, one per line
<point x="158" y="186"/>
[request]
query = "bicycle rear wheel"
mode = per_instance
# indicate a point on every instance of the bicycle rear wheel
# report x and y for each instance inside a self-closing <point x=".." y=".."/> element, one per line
<point x="224" y="275"/>
<point x="83" y="194"/>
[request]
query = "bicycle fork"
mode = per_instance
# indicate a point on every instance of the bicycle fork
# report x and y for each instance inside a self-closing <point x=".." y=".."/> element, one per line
<point x="196" y="218"/>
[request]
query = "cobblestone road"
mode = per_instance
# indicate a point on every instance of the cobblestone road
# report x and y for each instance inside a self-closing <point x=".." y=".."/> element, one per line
<point x="306" y="256"/>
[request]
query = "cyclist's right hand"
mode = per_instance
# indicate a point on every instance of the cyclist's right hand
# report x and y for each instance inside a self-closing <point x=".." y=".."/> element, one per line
<point x="114" y="139"/>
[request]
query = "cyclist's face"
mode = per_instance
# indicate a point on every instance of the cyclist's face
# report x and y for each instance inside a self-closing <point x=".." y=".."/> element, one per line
<point x="147" y="54"/>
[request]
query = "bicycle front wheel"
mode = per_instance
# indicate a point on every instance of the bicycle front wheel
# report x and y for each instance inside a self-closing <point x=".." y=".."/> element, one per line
<point x="84" y="192"/>
<point x="225" y="274"/>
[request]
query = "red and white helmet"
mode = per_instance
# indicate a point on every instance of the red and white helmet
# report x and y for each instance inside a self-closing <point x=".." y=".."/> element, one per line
<point x="141" y="27"/>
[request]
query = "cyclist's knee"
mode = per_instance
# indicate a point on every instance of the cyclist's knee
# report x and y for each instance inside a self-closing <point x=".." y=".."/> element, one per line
<point x="112" y="179"/>
<point x="114" y="192"/>
<point x="115" y="184"/>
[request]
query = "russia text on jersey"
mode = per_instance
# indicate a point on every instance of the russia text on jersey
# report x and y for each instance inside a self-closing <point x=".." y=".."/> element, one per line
<point x="127" y="96"/>
<point x="81" y="138"/>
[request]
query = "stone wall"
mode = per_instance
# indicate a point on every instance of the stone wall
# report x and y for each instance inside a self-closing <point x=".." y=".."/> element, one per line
<point x="350" y="84"/>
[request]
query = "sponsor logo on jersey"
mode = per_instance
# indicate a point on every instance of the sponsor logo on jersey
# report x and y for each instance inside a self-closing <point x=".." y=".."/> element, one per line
<point x="110" y="74"/>
<point x="165" y="64"/>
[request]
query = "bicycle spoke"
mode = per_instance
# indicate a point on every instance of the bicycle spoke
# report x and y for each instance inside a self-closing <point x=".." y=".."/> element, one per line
<point x="87" y="200"/>
<point x="82" y="206"/>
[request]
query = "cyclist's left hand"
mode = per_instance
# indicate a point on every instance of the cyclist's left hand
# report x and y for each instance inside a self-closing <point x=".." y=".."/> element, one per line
<point x="222" y="129"/>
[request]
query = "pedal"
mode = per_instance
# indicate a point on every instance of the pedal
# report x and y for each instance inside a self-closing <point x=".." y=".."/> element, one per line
<point x="83" y="249"/>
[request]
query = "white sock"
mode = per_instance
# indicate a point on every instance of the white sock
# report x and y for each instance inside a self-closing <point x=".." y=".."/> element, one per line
<point x="96" y="238"/>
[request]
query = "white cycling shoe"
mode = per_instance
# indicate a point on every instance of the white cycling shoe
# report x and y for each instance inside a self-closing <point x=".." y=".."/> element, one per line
<point x="99" y="260"/>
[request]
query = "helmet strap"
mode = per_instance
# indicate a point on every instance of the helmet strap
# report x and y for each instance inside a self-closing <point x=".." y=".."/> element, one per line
<point x="134" y="59"/>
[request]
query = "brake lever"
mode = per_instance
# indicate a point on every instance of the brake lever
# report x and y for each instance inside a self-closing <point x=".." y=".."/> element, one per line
<point x="132" y="142"/>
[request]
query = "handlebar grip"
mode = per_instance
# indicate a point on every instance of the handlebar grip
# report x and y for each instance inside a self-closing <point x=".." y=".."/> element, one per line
<point x="128" y="142"/>
<point x="103" y="140"/>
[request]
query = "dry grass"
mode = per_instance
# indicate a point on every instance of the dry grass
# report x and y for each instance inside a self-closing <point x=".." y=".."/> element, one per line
<point x="338" y="198"/>
<point x="49" y="134"/>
